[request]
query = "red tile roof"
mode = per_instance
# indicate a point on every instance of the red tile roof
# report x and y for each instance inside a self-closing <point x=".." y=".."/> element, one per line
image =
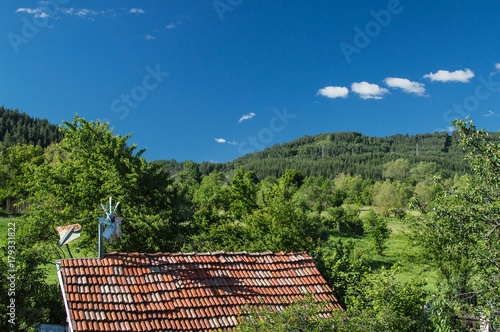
<point x="183" y="292"/>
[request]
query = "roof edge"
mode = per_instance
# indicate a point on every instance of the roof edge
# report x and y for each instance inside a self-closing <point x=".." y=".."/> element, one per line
<point x="66" y="307"/>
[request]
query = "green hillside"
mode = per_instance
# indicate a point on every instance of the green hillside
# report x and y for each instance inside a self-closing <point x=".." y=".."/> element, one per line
<point x="346" y="152"/>
<point x="20" y="128"/>
<point x="324" y="155"/>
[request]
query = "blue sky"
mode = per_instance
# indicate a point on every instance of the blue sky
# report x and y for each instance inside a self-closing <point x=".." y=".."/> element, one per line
<point x="212" y="80"/>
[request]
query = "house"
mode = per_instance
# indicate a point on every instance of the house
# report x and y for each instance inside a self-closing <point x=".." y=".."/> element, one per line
<point x="182" y="292"/>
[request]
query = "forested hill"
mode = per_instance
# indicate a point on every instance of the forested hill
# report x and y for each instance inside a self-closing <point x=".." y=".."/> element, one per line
<point x="20" y="128"/>
<point x="321" y="155"/>
<point x="346" y="152"/>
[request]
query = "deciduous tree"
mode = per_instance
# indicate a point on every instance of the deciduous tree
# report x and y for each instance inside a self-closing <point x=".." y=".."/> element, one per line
<point x="460" y="230"/>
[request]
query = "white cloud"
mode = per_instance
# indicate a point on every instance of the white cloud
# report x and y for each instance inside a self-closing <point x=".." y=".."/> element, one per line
<point x="90" y="14"/>
<point x="456" y="76"/>
<point x="406" y="85"/>
<point x="333" y="92"/>
<point x="137" y="11"/>
<point x="149" y="37"/>
<point x="37" y="12"/>
<point x="68" y="11"/>
<point x="497" y="67"/>
<point x="368" y="91"/>
<point x="31" y="11"/>
<point x="84" y="12"/>
<point x="81" y="12"/>
<point x="222" y="141"/>
<point x="450" y="129"/>
<point x="490" y="113"/>
<point x="171" y="26"/>
<point x="246" y="117"/>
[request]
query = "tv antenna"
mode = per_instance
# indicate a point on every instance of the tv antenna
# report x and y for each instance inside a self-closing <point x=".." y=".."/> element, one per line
<point x="112" y="223"/>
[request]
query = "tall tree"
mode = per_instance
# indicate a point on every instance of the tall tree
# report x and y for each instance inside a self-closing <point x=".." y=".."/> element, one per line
<point x="15" y="162"/>
<point x="397" y="169"/>
<point x="460" y="230"/>
<point x="96" y="165"/>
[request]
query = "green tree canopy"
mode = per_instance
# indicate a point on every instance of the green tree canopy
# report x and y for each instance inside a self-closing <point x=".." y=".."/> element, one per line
<point x="95" y="165"/>
<point x="459" y="231"/>
<point x="397" y="169"/>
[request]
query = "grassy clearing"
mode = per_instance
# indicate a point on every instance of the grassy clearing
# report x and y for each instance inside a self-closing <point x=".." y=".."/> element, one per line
<point x="397" y="250"/>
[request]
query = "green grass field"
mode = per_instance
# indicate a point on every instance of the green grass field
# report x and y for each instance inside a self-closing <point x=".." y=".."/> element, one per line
<point x="397" y="250"/>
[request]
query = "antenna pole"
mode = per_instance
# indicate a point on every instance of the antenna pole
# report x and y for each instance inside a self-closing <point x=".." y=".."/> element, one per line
<point x="109" y="226"/>
<point x="101" y="246"/>
<point x="69" y="251"/>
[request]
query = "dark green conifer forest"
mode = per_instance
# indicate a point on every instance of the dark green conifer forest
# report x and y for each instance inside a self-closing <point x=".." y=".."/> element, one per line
<point x="20" y="128"/>
<point x="328" y="155"/>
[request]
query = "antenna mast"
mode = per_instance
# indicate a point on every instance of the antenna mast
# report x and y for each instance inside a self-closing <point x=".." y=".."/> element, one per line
<point x="112" y="223"/>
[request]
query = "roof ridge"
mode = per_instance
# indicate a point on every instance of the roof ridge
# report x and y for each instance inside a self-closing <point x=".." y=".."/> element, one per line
<point x="215" y="253"/>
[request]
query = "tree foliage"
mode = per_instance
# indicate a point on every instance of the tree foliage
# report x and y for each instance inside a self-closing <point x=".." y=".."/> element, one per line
<point x="397" y="169"/>
<point x="19" y="128"/>
<point x="96" y="165"/>
<point x="15" y="162"/>
<point x="348" y="153"/>
<point x="376" y="228"/>
<point x="459" y="231"/>
<point x="379" y="304"/>
<point x="302" y="315"/>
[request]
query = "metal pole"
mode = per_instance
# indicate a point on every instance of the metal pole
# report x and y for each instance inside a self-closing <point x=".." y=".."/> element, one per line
<point x="101" y="246"/>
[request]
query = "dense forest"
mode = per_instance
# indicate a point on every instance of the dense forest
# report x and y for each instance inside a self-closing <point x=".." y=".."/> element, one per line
<point x="20" y="128"/>
<point x="447" y="206"/>
<point x="328" y="155"/>
<point x="325" y="155"/>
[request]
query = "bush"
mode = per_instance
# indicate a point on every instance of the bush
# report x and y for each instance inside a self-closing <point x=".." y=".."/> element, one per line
<point x="342" y="268"/>
<point x="381" y="304"/>
<point x="344" y="220"/>
<point x="376" y="228"/>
